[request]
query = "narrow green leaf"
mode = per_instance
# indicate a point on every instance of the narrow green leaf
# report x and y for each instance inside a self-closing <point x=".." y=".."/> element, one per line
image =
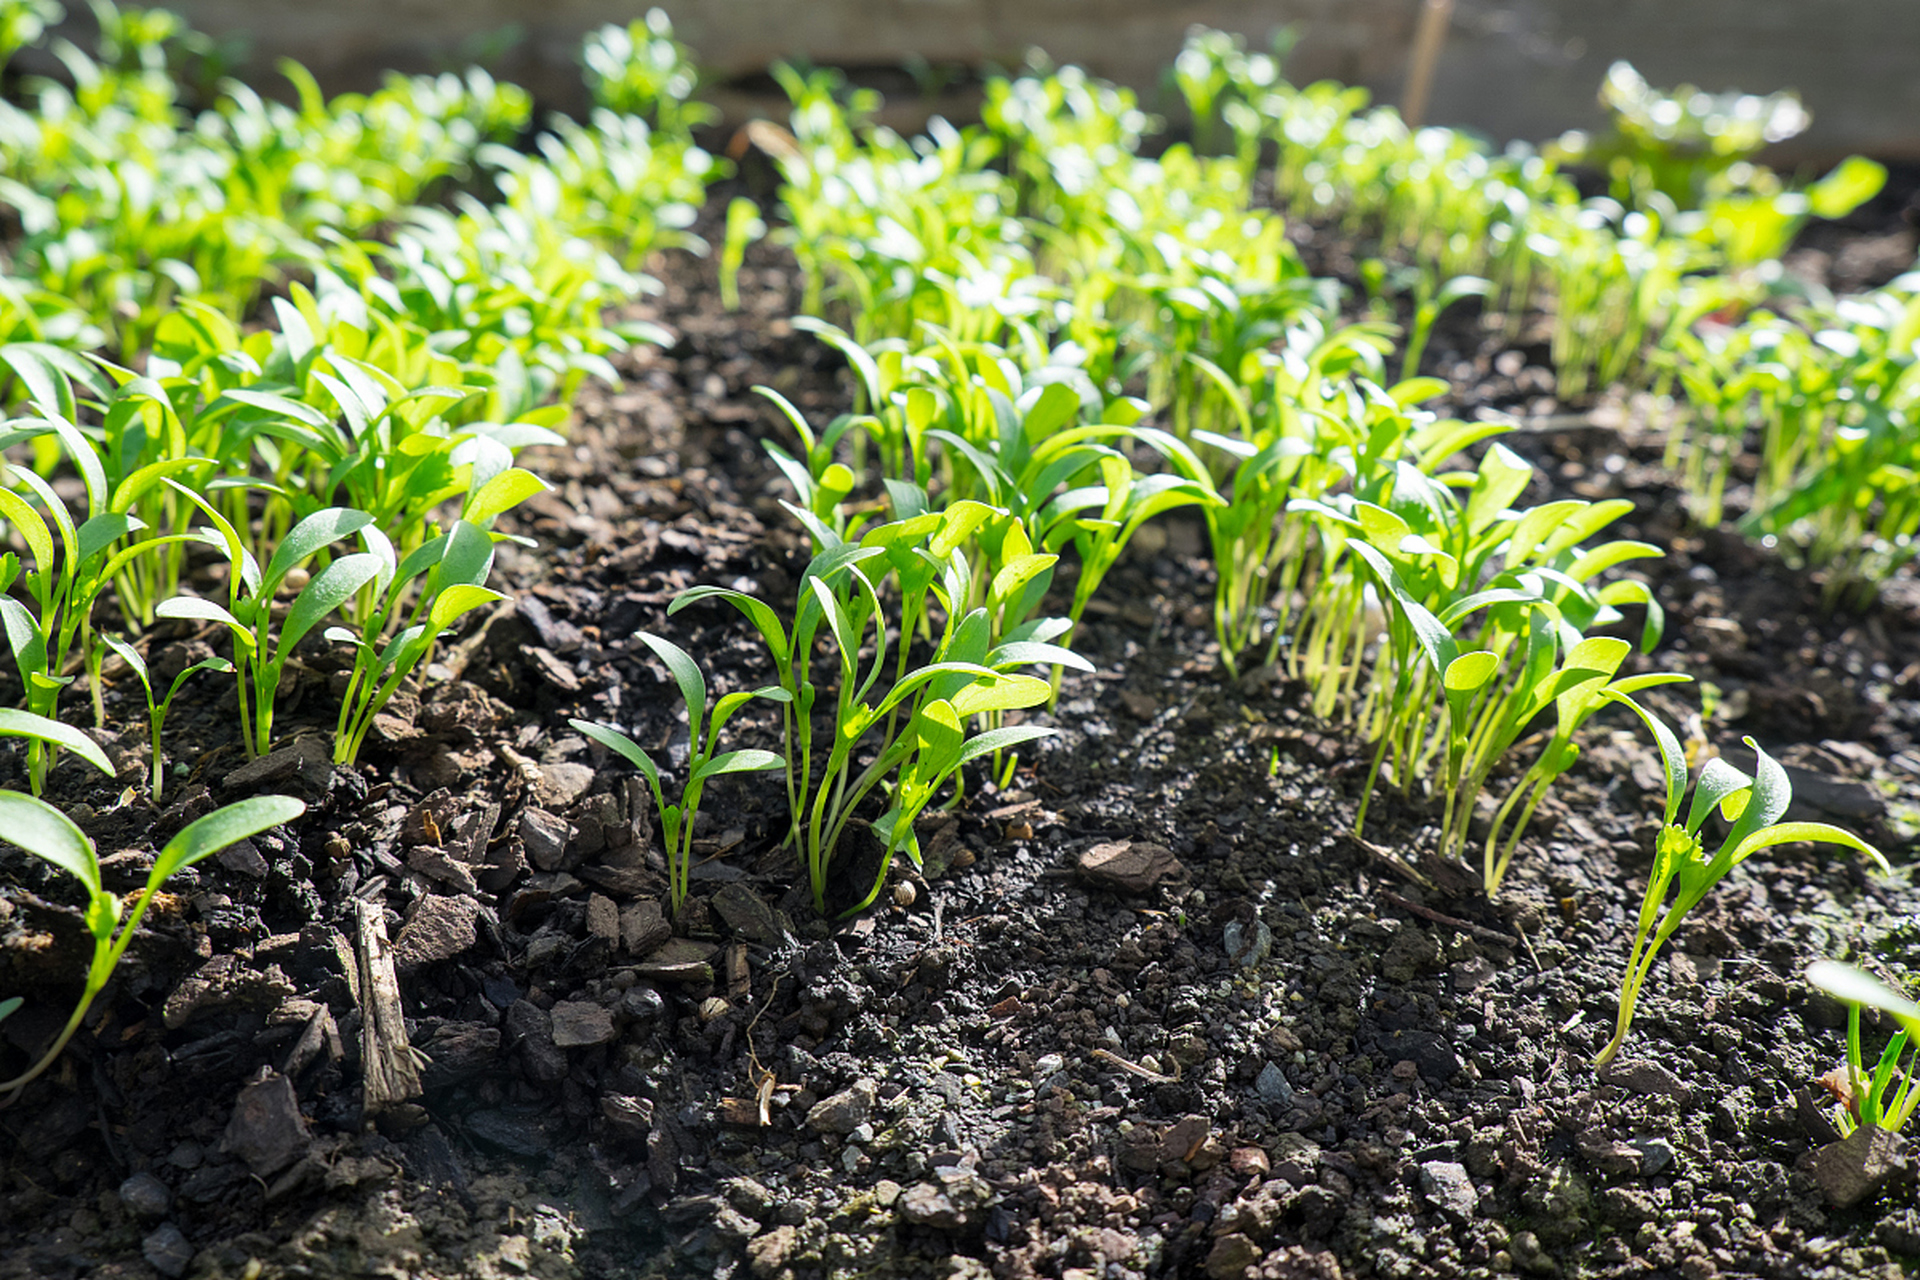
<point x="328" y="590"/>
<point x="45" y="832"/>
<point x="738" y="762"/>
<point x="25" y="724"/>
<point x="219" y="829"/>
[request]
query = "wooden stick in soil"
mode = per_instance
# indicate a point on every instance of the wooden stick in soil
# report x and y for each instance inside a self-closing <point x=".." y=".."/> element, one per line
<point x="391" y="1077"/>
<point x="1428" y="36"/>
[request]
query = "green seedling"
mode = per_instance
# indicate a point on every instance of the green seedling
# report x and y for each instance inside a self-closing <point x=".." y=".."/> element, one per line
<point x="744" y="226"/>
<point x="260" y="648"/>
<point x="704" y="759"/>
<point x="1681" y="863"/>
<point x="903" y="731"/>
<point x="157" y="711"/>
<point x="437" y="584"/>
<point x="46" y="833"/>
<point x="1869" y="1102"/>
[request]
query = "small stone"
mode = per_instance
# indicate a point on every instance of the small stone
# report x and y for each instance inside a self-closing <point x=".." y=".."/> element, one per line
<point x="167" y="1250"/>
<point x="146" y="1197"/>
<point x="956" y="1200"/>
<point x="680" y="960"/>
<point x="304" y="760"/>
<point x="1531" y="1256"/>
<point x="546" y="837"/>
<point x="1448" y="1188"/>
<point x="748" y="915"/>
<point x="1272" y="1086"/>
<point x="643" y="927"/>
<point x="1857" y="1166"/>
<point x="1656" y="1155"/>
<point x="844" y="1111"/>
<point x="603" y="918"/>
<point x="1129" y="866"/>
<point x="266" y="1129"/>
<point x="1230" y="1256"/>
<point x="1649" y="1078"/>
<point x="1429" y="1052"/>
<point x="1249" y="1162"/>
<point x="1471" y="974"/>
<point x="561" y="784"/>
<point x="1609" y="1156"/>
<point x="436" y="863"/>
<point x="243" y="858"/>
<point x="769" y="1254"/>
<point x="441" y="927"/>
<point x="1246" y="946"/>
<point x="1048" y="1066"/>
<point x="1628" y="1205"/>
<point x="578" y="1024"/>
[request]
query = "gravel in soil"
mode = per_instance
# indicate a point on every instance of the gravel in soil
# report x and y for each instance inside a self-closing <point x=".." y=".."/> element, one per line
<point x="1148" y="1011"/>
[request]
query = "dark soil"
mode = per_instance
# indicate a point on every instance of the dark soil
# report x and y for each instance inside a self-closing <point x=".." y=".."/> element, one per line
<point x="1149" y="1011"/>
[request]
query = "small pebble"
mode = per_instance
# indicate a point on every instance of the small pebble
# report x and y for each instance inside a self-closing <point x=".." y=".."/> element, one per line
<point x="146" y="1197"/>
<point x="167" y="1250"/>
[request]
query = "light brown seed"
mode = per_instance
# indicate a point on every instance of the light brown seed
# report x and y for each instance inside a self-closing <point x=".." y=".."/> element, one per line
<point x="904" y="894"/>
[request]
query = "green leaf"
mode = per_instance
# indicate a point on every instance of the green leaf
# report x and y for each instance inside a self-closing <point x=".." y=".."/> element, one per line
<point x="857" y="356"/>
<point x="1719" y="781"/>
<point x="772" y="633"/>
<point x="1816" y="832"/>
<point x="627" y="749"/>
<point x="1772" y="793"/>
<point x="1025" y="653"/>
<point x="197" y="610"/>
<point x="330" y="589"/>
<point x="1503" y="476"/>
<point x="686" y="674"/>
<point x="1000" y="739"/>
<point x="1853" y="182"/>
<point x="31" y="526"/>
<point x="219" y="829"/>
<point x="1004" y="693"/>
<point x="45" y="832"/>
<point x="1469" y="673"/>
<point x="1673" y="758"/>
<point x="25" y="724"/>
<point x="737" y="762"/>
<point x="502" y="493"/>
<point x="318" y="530"/>
<point x="131" y="656"/>
<point x="458" y="599"/>
<point x="101" y="532"/>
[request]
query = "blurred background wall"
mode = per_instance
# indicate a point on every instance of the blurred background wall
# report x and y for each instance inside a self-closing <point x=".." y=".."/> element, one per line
<point x="1512" y="68"/>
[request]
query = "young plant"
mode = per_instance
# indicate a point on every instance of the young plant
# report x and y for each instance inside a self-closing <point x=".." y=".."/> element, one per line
<point x="1868" y="1101"/>
<point x="904" y="731"/>
<point x="261" y="649"/>
<point x="157" y="711"/>
<point x="45" y="832"/>
<point x="449" y="573"/>
<point x="1681" y="863"/>
<point x="704" y="760"/>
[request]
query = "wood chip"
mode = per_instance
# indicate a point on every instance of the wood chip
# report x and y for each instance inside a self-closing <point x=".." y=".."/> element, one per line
<point x="391" y="1078"/>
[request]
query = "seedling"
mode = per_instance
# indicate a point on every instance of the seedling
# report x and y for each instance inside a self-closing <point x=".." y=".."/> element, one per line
<point x="1868" y="1101"/>
<point x="704" y="759"/>
<point x="1681" y="863"/>
<point x="157" y="711"/>
<point x="46" y="833"/>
